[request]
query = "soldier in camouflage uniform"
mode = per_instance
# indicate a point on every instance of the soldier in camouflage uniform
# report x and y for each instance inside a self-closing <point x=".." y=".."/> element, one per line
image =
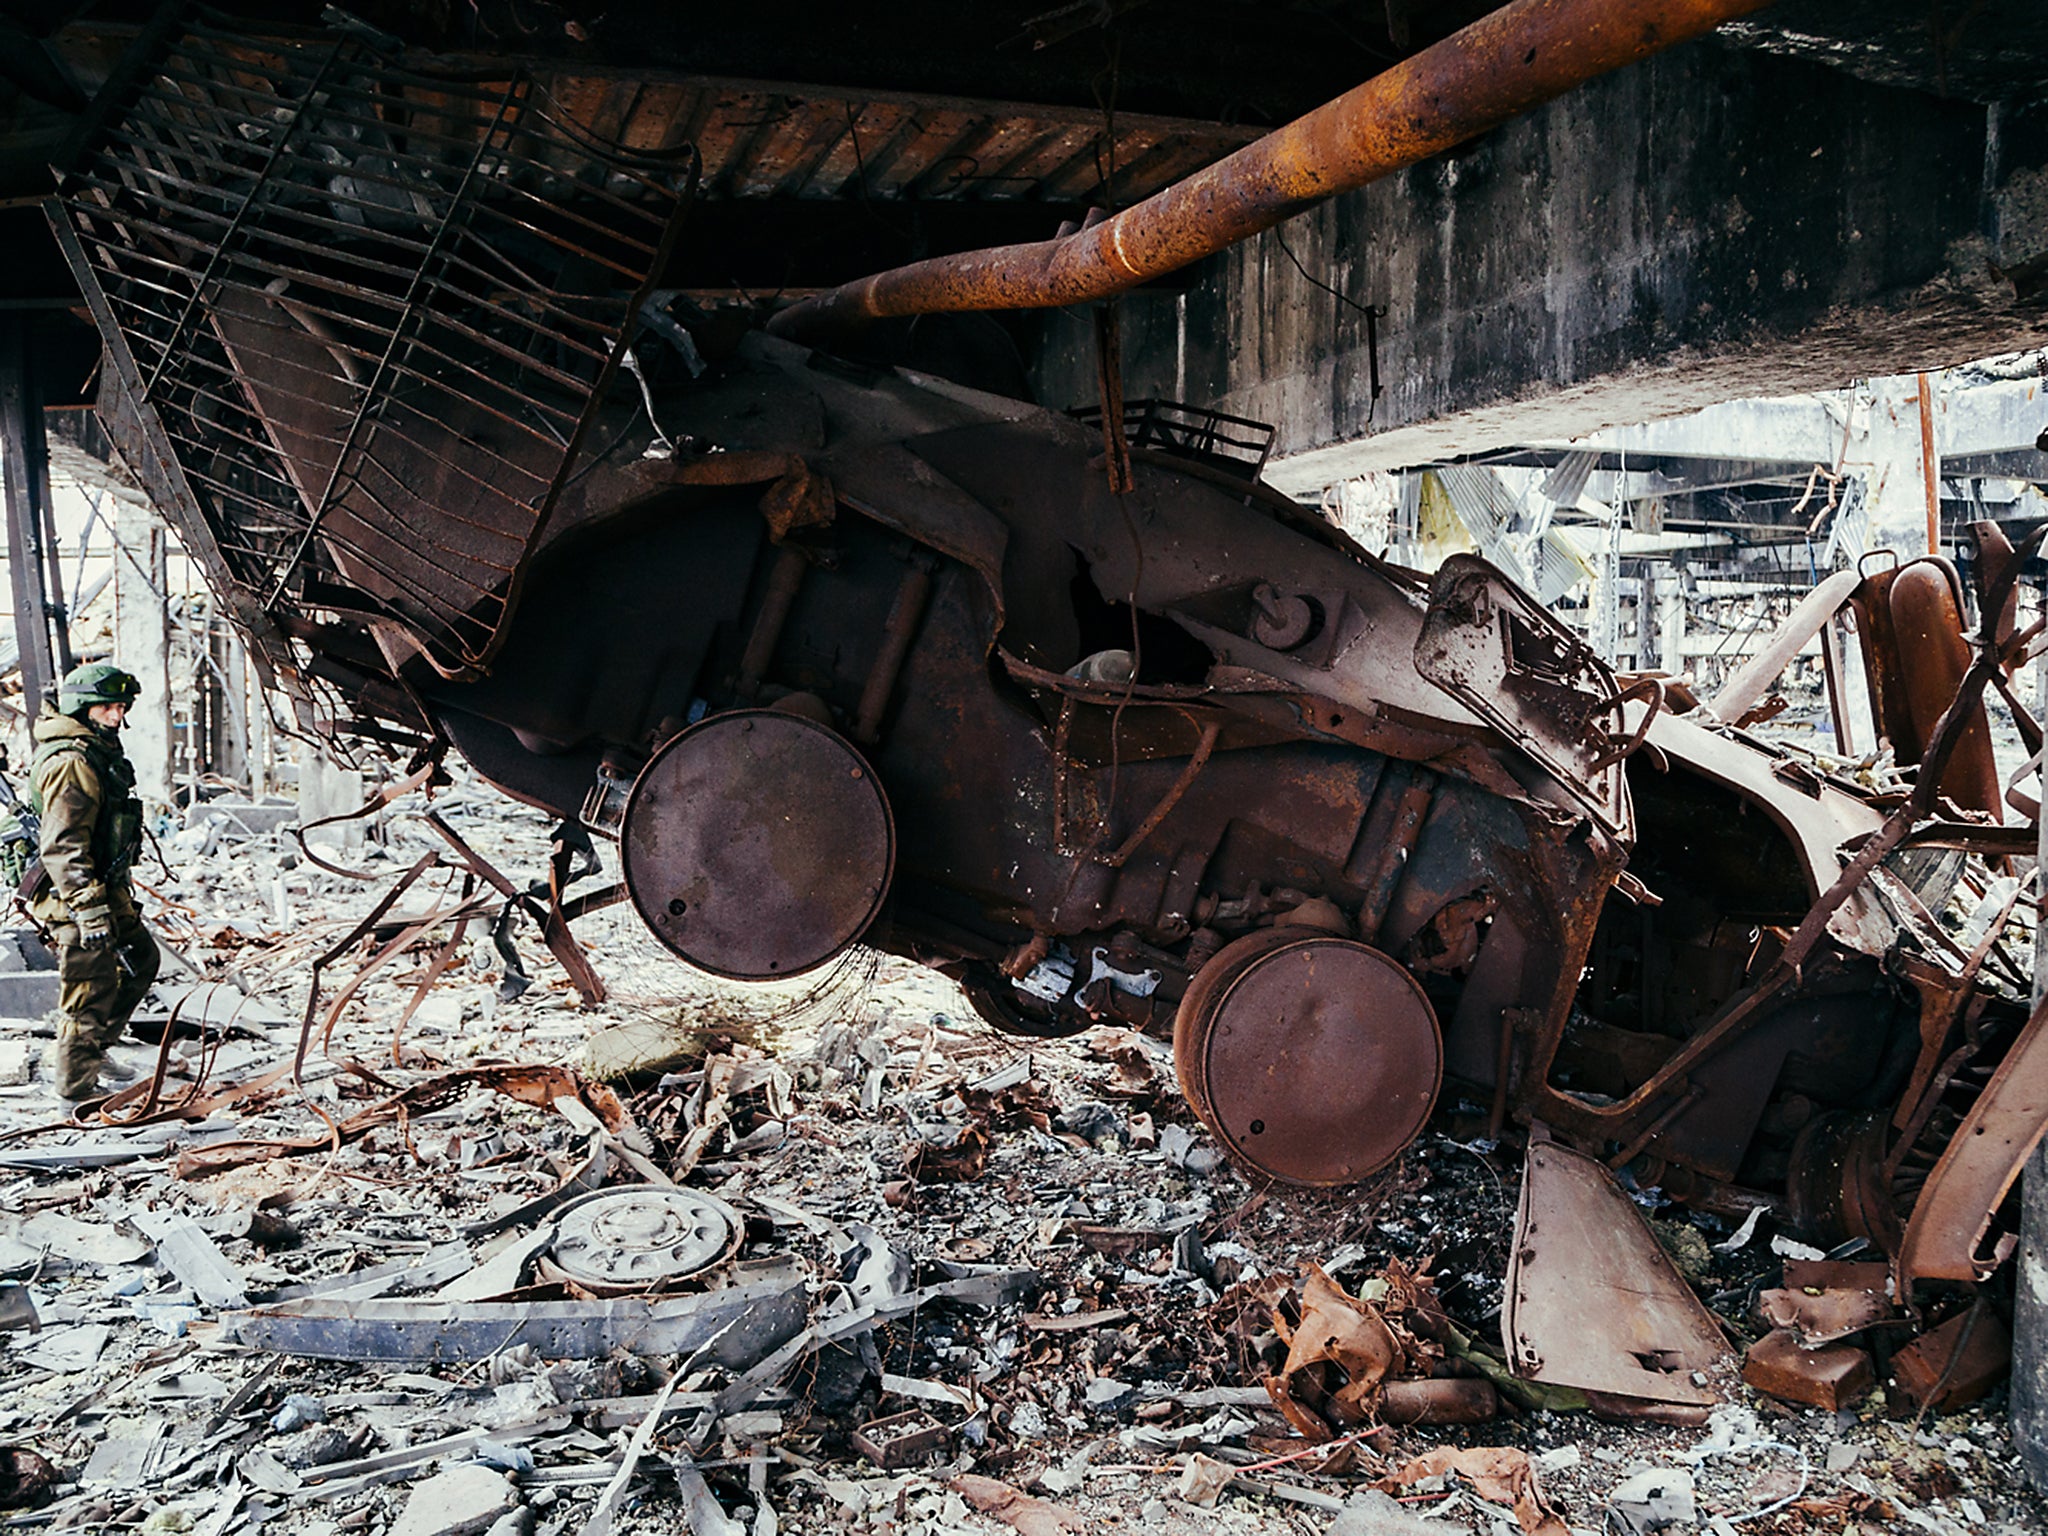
<point x="83" y="787"/>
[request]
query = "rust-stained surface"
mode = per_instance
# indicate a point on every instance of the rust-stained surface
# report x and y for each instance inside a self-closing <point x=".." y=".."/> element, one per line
<point x="1822" y="1301"/>
<point x="1592" y="1302"/>
<point x="839" y="654"/>
<point x="1292" y="1036"/>
<point x="1946" y="1239"/>
<point x="757" y="844"/>
<point x="1516" y="58"/>
<point x="1829" y="1376"/>
<point x="1956" y="1363"/>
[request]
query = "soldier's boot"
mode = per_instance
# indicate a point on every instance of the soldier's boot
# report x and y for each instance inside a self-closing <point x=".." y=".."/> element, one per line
<point x="80" y="1059"/>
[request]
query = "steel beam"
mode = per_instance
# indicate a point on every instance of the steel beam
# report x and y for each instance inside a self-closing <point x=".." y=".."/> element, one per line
<point x="25" y="463"/>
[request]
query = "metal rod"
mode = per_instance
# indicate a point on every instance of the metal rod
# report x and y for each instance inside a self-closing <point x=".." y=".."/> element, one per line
<point x="371" y="397"/>
<point x="1502" y="65"/>
<point x="249" y="201"/>
<point x="1927" y="472"/>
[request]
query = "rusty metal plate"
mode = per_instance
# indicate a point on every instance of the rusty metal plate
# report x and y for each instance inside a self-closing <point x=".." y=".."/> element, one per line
<point x="1317" y="1061"/>
<point x="1488" y="645"/>
<point x="757" y="844"/>
<point x="1592" y="1302"/>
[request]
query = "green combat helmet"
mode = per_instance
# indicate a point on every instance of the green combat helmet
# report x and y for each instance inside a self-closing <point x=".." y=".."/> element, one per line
<point x="97" y="682"/>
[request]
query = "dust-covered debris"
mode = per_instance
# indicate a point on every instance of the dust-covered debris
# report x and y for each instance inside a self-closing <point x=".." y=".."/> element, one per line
<point x="979" y="1283"/>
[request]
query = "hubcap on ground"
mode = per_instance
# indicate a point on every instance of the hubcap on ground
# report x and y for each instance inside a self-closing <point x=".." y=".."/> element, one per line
<point x="619" y="1241"/>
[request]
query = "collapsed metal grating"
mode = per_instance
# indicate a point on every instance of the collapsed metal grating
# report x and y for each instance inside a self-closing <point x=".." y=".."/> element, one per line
<point x="364" y="313"/>
<point x="1236" y="445"/>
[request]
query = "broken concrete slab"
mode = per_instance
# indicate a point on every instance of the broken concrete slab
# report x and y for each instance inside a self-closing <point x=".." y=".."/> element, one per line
<point x="211" y="1003"/>
<point x="23" y="949"/>
<point x="188" y="1253"/>
<point x="501" y="1270"/>
<point x="1656" y="1500"/>
<point x="461" y="1501"/>
<point x="17" y="1062"/>
<point x="27" y="994"/>
<point x="1373" y="1513"/>
<point x="249" y="818"/>
<point x="17" y="1309"/>
<point x="70" y="1240"/>
<point x="124" y="1458"/>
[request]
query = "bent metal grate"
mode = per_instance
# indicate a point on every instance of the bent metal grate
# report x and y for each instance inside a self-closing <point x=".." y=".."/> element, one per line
<point x="366" y="312"/>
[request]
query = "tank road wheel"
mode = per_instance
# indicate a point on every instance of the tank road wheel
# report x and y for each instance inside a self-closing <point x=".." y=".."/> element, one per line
<point x="1313" y="1059"/>
<point x="757" y="845"/>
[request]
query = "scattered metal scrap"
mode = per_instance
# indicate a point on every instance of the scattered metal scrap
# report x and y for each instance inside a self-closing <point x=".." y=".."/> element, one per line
<point x="842" y="656"/>
<point x="733" y="1326"/>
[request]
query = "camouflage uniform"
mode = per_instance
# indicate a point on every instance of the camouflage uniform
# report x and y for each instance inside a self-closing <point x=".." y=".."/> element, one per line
<point x="83" y="786"/>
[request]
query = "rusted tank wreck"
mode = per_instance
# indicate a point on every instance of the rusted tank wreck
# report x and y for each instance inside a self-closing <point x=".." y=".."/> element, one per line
<point x="842" y="654"/>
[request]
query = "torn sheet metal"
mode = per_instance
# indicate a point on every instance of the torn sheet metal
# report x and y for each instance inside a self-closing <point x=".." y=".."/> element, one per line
<point x="735" y="1327"/>
<point x="1821" y="1302"/>
<point x="1957" y="1362"/>
<point x="1592" y="1302"/>
<point x="1490" y="646"/>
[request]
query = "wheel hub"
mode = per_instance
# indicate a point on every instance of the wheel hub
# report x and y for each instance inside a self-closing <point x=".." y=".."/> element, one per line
<point x="1313" y="1059"/>
<point x="623" y="1241"/>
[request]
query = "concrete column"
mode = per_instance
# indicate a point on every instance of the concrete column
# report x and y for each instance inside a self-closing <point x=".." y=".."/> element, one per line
<point x="2029" y="1393"/>
<point x="262" y="740"/>
<point x="1671" y="623"/>
<point x="1885" y="442"/>
<point x="329" y="787"/>
<point x="1605" y="617"/>
<point x="142" y="644"/>
<point x="231" y="748"/>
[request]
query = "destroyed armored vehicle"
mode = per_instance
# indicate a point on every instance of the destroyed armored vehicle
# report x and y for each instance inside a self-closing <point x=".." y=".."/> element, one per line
<point x="842" y="654"/>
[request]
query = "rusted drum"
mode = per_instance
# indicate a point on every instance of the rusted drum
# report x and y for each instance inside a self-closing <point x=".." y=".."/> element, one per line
<point x="1313" y="1059"/>
<point x="757" y="844"/>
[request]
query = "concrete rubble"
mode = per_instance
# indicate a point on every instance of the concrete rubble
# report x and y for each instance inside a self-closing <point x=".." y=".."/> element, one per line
<point x="967" y="1283"/>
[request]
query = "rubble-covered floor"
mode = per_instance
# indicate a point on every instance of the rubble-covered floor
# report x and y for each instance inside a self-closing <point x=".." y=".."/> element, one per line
<point x="868" y="1127"/>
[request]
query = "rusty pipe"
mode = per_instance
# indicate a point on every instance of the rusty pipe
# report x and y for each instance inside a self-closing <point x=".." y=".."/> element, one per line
<point x="899" y="630"/>
<point x="784" y="578"/>
<point x="1516" y="58"/>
